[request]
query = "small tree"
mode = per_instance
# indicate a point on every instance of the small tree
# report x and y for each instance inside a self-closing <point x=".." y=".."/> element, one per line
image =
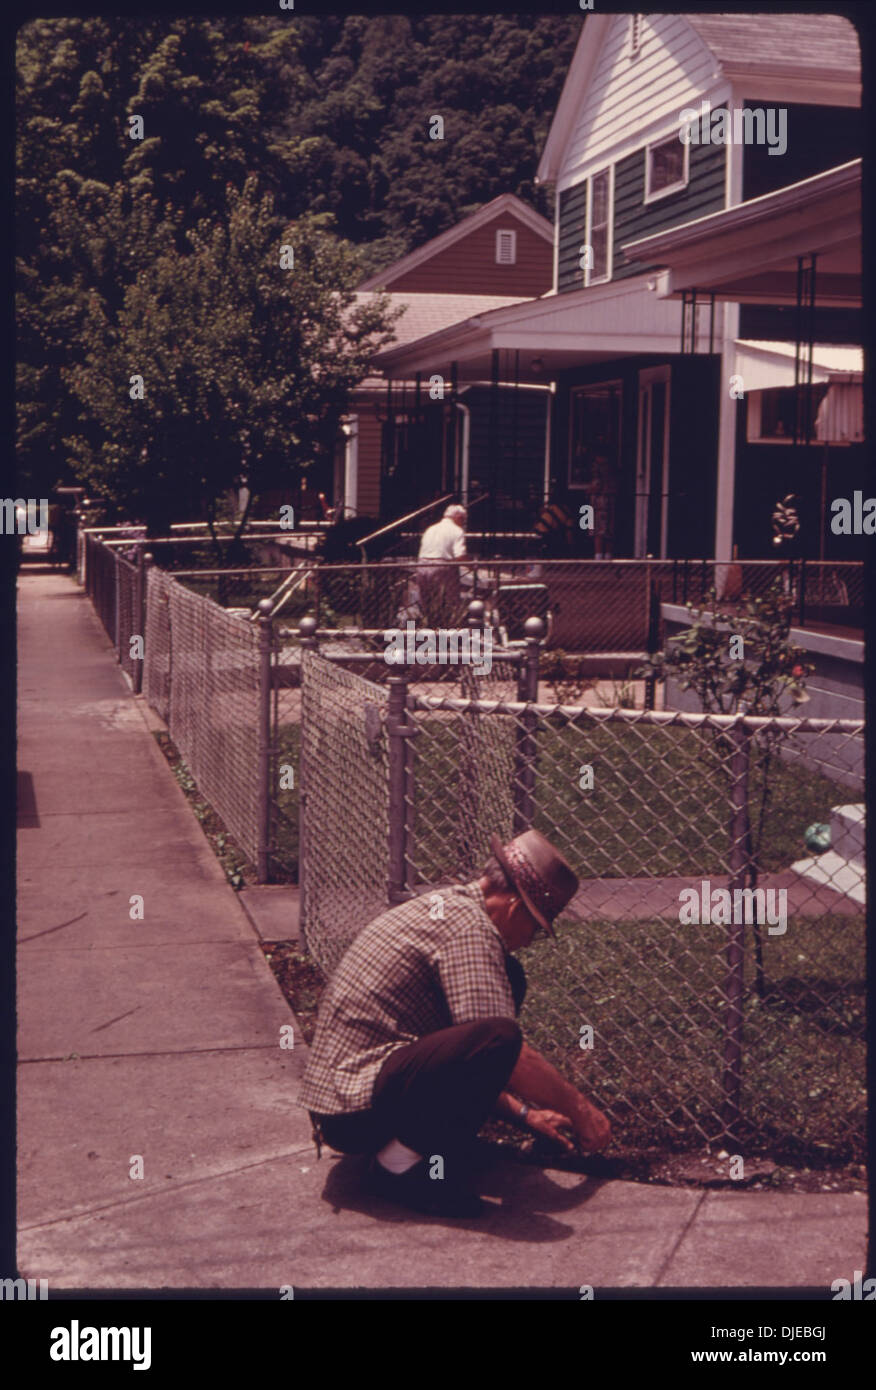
<point x="756" y="674"/>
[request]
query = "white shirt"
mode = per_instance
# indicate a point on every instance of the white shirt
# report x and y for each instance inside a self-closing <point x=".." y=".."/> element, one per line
<point x="445" y="540"/>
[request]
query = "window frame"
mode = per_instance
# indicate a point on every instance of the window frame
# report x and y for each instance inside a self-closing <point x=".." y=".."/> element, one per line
<point x="654" y="197"/>
<point x="589" y="277"/>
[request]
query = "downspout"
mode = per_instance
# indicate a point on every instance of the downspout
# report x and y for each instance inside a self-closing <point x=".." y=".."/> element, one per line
<point x="350" y="429"/>
<point x="466" y="436"/>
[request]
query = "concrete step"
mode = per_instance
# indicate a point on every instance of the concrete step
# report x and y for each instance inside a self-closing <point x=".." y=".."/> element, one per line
<point x="842" y="875"/>
<point x="848" y="825"/>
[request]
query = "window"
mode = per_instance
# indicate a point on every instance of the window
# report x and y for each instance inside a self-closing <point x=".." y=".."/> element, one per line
<point x="594" y="439"/>
<point x="506" y="248"/>
<point x="666" y="167"/>
<point x="635" y="34"/>
<point x="771" y="414"/>
<point x="599" y="227"/>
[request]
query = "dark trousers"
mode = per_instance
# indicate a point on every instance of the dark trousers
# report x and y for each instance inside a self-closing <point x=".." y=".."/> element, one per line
<point x="433" y="1094"/>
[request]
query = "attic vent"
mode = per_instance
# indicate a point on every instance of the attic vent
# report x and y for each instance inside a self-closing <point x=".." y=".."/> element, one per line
<point x="635" y="33"/>
<point x="506" y="248"/>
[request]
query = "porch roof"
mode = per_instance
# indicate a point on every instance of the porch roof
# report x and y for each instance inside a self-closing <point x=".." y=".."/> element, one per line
<point x="748" y="253"/>
<point x="551" y="333"/>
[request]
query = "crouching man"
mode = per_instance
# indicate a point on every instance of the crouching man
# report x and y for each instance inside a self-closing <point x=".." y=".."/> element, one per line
<point x="417" y="1043"/>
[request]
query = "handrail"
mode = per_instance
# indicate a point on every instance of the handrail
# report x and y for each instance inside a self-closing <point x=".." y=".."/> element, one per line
<point x="402" y="520"/>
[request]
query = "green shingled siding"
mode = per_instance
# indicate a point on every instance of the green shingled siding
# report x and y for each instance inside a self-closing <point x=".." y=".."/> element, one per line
<point x="633" y="217"/>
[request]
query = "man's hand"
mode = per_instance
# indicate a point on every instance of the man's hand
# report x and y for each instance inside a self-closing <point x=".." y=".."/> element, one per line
<point x="551" y="1124"/>
<point x="540" y="1083"/>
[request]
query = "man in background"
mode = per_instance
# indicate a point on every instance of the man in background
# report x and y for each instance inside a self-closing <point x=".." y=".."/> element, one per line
<point x="442" y="545"/>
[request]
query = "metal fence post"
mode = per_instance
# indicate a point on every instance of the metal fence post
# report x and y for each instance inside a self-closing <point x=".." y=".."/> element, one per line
<point x="470" y="735"/>
<point x="653" y="641"/>
<point x="118" y="607"/>
<point x="803" y="591"/>
<point x="527" y="743"/>
<point x="138" y="617"/>
<point x="398" y="734"/>
<point x="307" y="631"/>
<point x="265" y="625"/>
<point x="735" y="976"/>
<point x="148" y="562"/>
<point x="91" y="574"/>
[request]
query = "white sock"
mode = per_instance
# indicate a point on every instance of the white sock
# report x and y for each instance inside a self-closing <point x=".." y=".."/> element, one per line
<point x="396" y="1157"/>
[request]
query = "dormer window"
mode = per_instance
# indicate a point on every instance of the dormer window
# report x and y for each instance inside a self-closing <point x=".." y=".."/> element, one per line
<point x="635" y="34"/>
<point x="506" y="248"/>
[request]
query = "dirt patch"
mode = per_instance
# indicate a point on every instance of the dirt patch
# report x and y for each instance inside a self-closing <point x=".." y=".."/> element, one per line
<point x="239" y="871"/>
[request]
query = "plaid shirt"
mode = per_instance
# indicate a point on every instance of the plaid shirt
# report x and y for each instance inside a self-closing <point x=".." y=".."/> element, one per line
<point x="404" y="976"/>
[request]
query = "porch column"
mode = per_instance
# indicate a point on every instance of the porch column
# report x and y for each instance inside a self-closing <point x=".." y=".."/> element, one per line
<point x="725" y="492"/>
<point x="548" y="425"/>
<point x="726" y="483"/>
<point x="494" y="442"/>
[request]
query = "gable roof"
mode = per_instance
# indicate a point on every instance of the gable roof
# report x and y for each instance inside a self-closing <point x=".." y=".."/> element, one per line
<point x="799" y="44"/>
<point x="819" y="52"/>
<point x="432" y="313"/>
<point x="506" y="205"/>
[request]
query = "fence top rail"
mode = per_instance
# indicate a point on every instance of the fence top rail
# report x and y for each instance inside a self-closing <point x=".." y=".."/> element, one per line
<point x="194" y="540"/>
<point x="222" y="527"/>
<point x="248" y="569"/>
<point x="750" y="722"/>
<point x="571" y="562"/>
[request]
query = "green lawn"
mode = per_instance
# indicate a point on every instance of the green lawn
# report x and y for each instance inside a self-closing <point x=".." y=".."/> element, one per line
<point x="658" y="806"/>
<point x="652" y="993"/>
<point x="659" y="803"/>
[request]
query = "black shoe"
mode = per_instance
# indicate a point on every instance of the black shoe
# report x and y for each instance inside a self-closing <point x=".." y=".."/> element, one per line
<point x="415" y="1189"/>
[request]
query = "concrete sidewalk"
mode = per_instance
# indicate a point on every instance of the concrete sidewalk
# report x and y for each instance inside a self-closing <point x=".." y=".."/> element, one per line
<point x="160" y="1039"/>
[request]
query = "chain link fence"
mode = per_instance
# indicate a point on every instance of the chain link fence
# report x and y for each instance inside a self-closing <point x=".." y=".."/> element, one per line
<point x="708" y="979"/>
<point x="214" y="678"/>
<point x="597" y="607"/>
<point x="345" y="850"/>
<point x="115" y="584"/>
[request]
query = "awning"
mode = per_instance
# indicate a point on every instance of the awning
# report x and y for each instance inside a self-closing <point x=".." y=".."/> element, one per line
<point x="764" y="366"/>
<point x="840" y="418"/>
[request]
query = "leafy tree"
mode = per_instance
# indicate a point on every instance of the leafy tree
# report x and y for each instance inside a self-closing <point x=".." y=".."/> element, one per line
<point x="247" y="367"/>
<point x="328" y="113"/>
<point x="208" y="92"/>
